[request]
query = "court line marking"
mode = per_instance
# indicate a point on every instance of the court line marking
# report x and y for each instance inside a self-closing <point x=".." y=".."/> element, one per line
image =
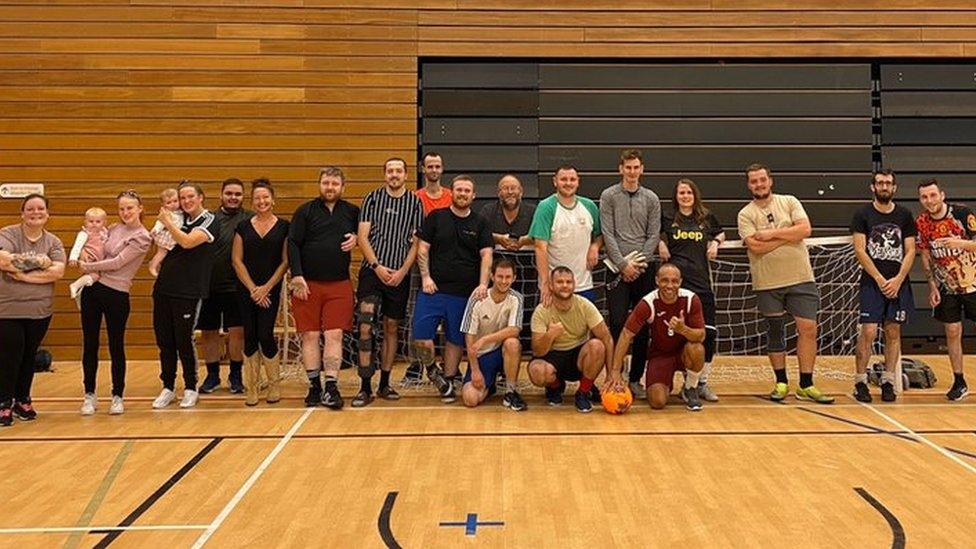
<point x="99" y="496"/>
<point x="921" y="438"/>
<point x="879" y="430"/>
<point x="246" y="487"/>
<point x="113" y="534"/>
<point x="897" y="531"/>
<point x="383" y="522"/>
<point x="99" y="529"/>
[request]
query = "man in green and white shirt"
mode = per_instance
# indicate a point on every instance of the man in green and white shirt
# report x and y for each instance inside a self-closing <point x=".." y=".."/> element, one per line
<point x="566" y="229"/>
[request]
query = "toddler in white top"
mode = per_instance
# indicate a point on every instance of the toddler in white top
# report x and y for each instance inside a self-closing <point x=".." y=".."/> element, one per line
<point x="170" y="199"/>
<point x="90" y="246"/>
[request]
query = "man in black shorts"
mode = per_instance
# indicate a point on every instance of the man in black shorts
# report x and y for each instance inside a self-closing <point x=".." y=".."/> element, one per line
<point x="388" y="225"/>
<point x="221" y="309"/>
<point x="570" y="342"/>
<point x="884" y="242"/>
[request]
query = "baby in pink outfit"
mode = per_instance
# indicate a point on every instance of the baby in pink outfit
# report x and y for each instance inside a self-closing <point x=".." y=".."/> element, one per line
<point x="89" y="246"/>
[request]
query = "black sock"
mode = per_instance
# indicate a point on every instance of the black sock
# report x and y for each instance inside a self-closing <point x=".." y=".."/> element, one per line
<point x="366" y="385"/>
<point x="781" y="376"/>
<point x="959" y="380"/>
<point x="313" y="379"/>
<point x="236" y="365"/>
<point x="384" y="379"/>
<point x="213" y="368"/>
<point x="806" y="380"/>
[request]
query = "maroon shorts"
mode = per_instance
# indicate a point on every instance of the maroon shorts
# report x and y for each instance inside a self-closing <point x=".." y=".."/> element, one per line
<point x="329" y="307"/>
<point x="661" y="369"/>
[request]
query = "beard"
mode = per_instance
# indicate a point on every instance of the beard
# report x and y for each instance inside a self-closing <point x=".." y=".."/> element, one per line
<point x="759" y="196"/>
<point x="883" y="199"/>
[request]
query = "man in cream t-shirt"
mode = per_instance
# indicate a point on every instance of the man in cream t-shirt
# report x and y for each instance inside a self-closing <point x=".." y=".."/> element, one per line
<point x="773" y="227"/>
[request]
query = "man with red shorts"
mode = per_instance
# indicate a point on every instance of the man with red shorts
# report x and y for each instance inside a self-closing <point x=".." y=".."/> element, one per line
<point x="321" y="236"/>
<point x="676" y="326"/>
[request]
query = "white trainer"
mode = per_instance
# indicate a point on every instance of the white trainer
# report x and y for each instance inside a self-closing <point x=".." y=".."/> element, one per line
<point x="89" y="405"/>
<point x="164" y="399"/>
<point x="117" y="408"/>
<point x="189" y="399"/>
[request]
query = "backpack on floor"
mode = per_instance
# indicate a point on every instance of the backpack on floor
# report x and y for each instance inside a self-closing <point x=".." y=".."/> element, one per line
<point x="915" y="374"/>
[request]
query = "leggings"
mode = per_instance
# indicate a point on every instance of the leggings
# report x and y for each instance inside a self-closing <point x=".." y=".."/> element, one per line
<point x="173" y="321"/>
<point x="19" y="340"/>
<point x="259" y="323"/>
<point x="97" y="301"/>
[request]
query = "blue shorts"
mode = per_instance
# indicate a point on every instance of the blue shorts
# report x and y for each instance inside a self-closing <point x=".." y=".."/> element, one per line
<point x="590" y="295"/>
<point x="878" y="309"/>
<point x="490" y="364"/>
<point x="431" y="309"/>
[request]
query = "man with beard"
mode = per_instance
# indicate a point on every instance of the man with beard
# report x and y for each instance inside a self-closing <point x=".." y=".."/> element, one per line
<point x="320" y="239"/>
<point x="884" y="242"/>
<point x="630" y="218"/>
<point x="773" y="227"/>
<point x="566" y="229"/>
<point x="675" y="319"/>
<point x="391" y="217"/>
<point x="432" y="195"/>
<point x="509" y="218"/>
<point x="455" y="260"/>
<point x="220" y="310"/>
<point x="570" y="342"/>
<point x="946" y="234"/>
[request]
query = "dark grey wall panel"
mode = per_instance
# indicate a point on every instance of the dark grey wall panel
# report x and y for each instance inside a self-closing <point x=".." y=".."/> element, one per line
<point x="705" y="103"/>
<point x="648" y="131"/>
<point x="935" y="159"/>
<point x="729" y="186"/>
<point x="704" y="76"/>
<point x="928" y="77"/>
<point x="487" y="158"/>
<point x="480" y="103"/>
<point x="481" y="130"/>
<point x="479" y="75"/>
<point x="929" y="131"/>
<point x="716" y="158"/>
<point x="928" y="104"/>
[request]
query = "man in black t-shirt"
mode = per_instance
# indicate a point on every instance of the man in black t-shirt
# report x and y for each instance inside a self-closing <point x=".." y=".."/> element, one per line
<point x="220" y="309"/>
<point x="884" y="243"/>
<point x="455" y="260"/>
<point x="508" y="217"/>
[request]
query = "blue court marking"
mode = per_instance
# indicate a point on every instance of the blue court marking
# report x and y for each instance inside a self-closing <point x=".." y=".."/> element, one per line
<point x="471" y="524"/>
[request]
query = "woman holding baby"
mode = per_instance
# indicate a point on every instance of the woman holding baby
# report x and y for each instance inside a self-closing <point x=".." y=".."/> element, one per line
<point x="109" y="270"/>
<point x="31" y="259"/>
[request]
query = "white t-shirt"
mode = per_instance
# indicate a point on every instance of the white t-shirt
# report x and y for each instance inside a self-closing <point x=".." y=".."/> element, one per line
<point x="485" y="316"/>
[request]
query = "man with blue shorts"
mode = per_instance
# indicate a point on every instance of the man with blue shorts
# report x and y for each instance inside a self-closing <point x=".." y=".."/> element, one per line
<point x="491" y="329"/>
<point x="884" y="242"/>
<point x="454" y="259"/>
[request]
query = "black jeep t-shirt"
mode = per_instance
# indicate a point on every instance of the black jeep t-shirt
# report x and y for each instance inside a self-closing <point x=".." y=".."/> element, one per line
<point x="688" y="241"/>
<point x="455" y="249"/>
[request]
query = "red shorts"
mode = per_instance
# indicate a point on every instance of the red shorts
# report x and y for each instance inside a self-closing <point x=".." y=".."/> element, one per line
<point x="661" y="369"/>
<point x="329" y="307"/>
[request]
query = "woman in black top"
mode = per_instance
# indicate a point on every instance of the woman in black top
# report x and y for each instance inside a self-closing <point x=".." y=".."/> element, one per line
<point x="260" y="259"/>
<point x="689" y="239"/>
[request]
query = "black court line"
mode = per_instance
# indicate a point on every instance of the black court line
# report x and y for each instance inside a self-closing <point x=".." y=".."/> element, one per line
<point x="111" y="535"/>
<point x="960" y="452"/>
<point x="898" y="434"/>
<point x="897" y="532"/>
<point x="383" y="522"/>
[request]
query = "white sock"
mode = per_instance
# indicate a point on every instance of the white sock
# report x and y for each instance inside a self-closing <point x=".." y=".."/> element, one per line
<point x="691" y="379"/>
<point x="861" y="378"/>
<point x="703" y="375"/>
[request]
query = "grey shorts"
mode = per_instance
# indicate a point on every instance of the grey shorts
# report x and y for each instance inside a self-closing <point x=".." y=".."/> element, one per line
<point x="800" y="300"/>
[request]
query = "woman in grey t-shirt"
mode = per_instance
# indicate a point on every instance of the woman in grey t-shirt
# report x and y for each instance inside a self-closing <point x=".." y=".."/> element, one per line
<point x="31" y="259"/>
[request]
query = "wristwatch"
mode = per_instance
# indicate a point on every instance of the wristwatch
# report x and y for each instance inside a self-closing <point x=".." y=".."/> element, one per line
<point x="374" y="265"/>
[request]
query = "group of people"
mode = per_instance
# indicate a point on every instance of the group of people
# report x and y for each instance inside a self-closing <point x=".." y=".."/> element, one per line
<point x="223" y="270"/>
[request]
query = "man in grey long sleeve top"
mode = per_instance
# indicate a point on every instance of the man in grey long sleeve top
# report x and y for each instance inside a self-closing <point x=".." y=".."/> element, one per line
<point x="630" y="216"/>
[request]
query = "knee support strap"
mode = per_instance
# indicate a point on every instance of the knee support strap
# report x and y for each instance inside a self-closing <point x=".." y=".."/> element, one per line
<point x="367" y="315"/>
<point x="776" y="335"/>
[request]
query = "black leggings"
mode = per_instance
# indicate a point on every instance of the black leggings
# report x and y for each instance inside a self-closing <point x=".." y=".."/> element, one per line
<point x="19" y="340"/>
<point x="259" y="323"/>
<point x="620" y="301"/>
<point x="173" y="321"/>
<point x="97" y="301"/>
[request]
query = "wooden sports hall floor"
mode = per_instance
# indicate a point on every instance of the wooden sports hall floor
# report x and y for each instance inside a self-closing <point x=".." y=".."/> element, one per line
<point x="745" y="472"/>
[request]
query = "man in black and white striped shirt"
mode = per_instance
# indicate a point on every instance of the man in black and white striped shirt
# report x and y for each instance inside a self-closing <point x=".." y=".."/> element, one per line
<point x="388" y="225"/>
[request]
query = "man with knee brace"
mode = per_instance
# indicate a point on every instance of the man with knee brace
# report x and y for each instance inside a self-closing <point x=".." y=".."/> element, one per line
<point x="675" y="322"/>
<point x="390" y="219"/>
<point x="773" y="227"/>
<point x="491" y="330"/>
<point x="455" y="260"/>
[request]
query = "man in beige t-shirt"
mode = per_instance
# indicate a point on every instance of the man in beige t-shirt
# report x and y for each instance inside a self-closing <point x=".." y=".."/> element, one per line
<point x="773" y="227"/>
<point x="570" y="342"/>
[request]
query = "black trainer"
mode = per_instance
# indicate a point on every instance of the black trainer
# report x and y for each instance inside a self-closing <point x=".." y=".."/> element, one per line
<point x="861" y="392"/>
<point x="690" y="396"/>
<point x="513" y="401"/>
<point x="331" y="398"/>
<point x="444" y="386"/>
<point x="314" y="395"/>
<point x="6" y="414"/>
<point x="888" y="392"/>
<point x="583" y="404"/>
<point x="362" y="399"/>
<point x="236" y="382"/>
<point x="555" y="396"/>
<point x="595" y="396"/>
<point x="388" y="393"/>
<point x="958" y="391"/>
<point x="24" y="411"/>
<point x="414" y="373"/>
<point x="210" y="383"/>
